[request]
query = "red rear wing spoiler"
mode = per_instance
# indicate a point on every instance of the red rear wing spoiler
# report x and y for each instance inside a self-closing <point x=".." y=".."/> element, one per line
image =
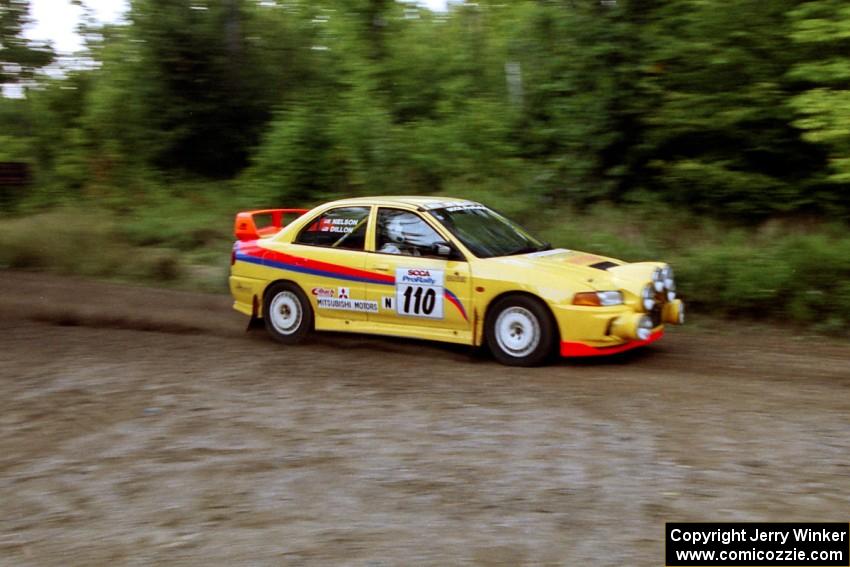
<point x="245" y="227"/>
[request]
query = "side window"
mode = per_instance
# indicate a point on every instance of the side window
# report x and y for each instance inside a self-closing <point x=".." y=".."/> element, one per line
<point x="403" y="232"/>
<point x="344" y="228"/>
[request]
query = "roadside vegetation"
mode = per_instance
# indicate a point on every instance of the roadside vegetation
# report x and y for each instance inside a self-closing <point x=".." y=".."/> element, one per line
<point x="785" y="271"/>
<point x="711" y="135"/>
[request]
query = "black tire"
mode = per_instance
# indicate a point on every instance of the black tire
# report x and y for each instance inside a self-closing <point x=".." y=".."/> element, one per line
<point x="294" y="320"/>
<point x="510" y="323"/>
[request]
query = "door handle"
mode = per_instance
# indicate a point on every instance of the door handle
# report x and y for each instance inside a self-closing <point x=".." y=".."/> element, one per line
<point x="381" y="267"/>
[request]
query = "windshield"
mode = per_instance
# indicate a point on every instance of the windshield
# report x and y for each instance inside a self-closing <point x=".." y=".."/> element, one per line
<point x="485" y="232"/>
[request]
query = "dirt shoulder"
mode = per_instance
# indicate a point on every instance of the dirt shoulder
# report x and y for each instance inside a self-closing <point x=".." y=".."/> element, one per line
<point x="142" y="426"/>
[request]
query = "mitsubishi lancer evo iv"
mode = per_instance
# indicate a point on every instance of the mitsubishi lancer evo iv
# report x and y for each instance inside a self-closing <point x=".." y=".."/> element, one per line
<point x="445" y="270"/>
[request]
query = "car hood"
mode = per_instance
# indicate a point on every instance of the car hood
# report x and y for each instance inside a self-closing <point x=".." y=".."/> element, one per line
<point x="590" y="269"/>
<point x="581" y="269"/>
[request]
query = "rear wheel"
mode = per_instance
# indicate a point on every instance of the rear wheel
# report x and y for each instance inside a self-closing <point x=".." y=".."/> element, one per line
<point x="287" y="313"/>
<point x="520" y="331"/>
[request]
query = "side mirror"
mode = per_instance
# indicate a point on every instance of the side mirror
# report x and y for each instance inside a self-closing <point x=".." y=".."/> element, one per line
<point x="442" y="249"/>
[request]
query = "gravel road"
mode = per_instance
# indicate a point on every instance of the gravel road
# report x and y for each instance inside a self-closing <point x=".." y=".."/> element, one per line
<point x="144" y="426"/>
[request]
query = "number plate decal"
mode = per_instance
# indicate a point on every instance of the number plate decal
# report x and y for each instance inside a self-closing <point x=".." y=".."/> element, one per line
<point x="419" y="292"/>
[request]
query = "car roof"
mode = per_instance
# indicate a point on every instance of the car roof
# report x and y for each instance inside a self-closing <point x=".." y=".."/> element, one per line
<point x="414" y="201"/>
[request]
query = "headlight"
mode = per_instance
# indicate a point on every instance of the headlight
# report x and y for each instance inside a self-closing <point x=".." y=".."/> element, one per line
<point x="598" y="298"/>
<point x="658" y="279"/>
<point x="610" y="297"/>
<point x="648" y="297"/>
<point x="669" y="280"/>
<point x="644" y="328"/>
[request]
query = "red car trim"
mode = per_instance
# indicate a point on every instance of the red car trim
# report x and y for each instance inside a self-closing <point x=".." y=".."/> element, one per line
<point x="580" y="349"/>
<point x="250" y="252"/>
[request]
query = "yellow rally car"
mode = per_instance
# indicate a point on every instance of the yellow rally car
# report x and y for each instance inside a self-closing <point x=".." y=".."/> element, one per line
<point x="445" y="270"/>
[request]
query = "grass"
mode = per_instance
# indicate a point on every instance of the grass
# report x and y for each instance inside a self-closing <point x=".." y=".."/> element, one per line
<point x="781" y="271"/>
<point x="150" y="245"/>
<point x="69" y="241"/>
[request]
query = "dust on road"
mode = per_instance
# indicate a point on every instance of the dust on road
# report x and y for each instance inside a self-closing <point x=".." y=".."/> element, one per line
<point x="143" y="426"/>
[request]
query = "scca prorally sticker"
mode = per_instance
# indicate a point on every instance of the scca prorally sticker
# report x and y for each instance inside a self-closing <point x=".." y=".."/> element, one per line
<point x="419" y="292"/>
<point x="323" y="292"/>
<point x="388" y="302"/>
<point x="348" y="304"/>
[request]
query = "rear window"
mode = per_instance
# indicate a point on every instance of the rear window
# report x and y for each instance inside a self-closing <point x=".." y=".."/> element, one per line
<point x="344" y="227"/>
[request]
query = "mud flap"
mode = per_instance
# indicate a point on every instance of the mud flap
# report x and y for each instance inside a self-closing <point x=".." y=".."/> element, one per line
<point x="255" y="322"/>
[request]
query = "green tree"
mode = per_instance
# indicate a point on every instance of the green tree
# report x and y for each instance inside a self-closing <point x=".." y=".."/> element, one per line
<point x="59" y="148"/>
<point x="734" y="109"/>
<point x="19" y="57"/>
<point x="719" y="136"/>
<point x="821" y="30"/>
<point x="202" y="81"/>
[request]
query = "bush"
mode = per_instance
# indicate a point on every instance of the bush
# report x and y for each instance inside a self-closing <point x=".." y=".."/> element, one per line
<point x="85" y="243"/>
<point x="782" y="272"/>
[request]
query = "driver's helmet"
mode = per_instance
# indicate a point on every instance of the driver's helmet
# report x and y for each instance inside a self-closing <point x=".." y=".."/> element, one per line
<point x="395" y="231"/>
<point x="417" y="233"/>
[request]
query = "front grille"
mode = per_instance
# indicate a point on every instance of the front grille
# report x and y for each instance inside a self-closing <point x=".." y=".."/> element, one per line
<point x="655" y="315"/>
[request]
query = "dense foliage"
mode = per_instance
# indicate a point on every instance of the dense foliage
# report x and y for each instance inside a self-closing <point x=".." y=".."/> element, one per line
<point x="19" y="57"/>
<point x="714" y="135"/>
<point x="740" y="109"/>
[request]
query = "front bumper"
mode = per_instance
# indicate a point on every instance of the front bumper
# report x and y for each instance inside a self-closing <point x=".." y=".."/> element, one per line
<point x="599" y="331"/>
<point x="575" y="349"/>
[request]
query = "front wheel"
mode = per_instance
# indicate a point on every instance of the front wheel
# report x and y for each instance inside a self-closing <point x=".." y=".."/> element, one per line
<point x="520" y="331"/>
<point x="287" y="313"/>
